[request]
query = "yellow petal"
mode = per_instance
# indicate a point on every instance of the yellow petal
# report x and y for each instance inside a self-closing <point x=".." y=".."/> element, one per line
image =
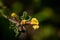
<point x="34" y="21"/>
<point x="35" y="27"/>
<point x="23" y="21"/>
<point x="13" y="14"/>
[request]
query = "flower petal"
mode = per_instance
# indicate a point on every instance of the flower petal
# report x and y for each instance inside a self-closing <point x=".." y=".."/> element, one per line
<point x="35" y="27"/>
<point x="34" y="21"/>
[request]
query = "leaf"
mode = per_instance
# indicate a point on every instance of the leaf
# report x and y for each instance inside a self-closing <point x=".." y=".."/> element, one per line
<point x="16" y="31"/>
<point x="25" y="16"/>
<point x="13" y="26"/>
<point x="28" y="18"/>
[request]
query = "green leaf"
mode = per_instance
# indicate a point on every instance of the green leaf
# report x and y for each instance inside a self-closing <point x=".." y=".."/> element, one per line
<point x="28" y="18"/>
<point x="25" y="16"/>
<point x="16" y="31"/>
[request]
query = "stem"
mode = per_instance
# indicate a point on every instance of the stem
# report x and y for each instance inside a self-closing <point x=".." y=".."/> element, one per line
<point x="7" y="17"/>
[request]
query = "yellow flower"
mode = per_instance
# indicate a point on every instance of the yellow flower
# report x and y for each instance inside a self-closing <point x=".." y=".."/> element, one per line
<point x="35" y="27"/>
<point x="23" y="21"/>
<point x="34" y="21"/>
<point x="13" y="14"/>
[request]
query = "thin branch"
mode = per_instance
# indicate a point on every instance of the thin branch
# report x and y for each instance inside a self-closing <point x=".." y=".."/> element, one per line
<point x="7" y="17"/>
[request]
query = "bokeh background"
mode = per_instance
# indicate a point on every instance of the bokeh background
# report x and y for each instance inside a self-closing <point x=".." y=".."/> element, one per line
<point x="46" y="11"/>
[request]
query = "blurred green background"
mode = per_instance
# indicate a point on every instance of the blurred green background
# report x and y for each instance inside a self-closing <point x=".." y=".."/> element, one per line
<point x="46" y="11"/>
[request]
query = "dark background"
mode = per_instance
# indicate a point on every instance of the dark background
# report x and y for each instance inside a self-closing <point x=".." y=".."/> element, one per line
<point x="46" y="11"/>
